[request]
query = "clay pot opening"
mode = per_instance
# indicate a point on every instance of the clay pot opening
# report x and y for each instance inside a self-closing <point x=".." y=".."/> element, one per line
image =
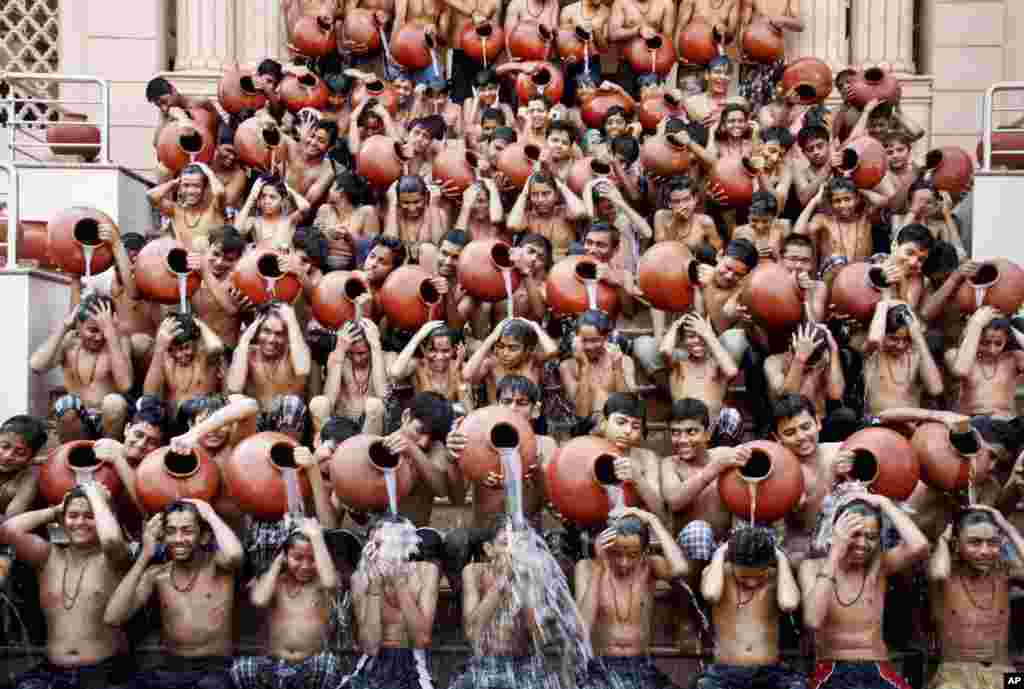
<point x="504" y="436"/>
<point x="532" y="152"/>
<point x="987" y="275"/>
<point x="484" y="30"/>
<point x="382" y="458"/>
<point x="933" y="159"/>
<point x="324" y="24"/>
<point x="654" y="43"/>
<point x="282" y="456"/>
<point x="271" y="136"/>
<point x="582" y="34"/>
<point x="354" y="288"/>
<point x="874" y="75"/>
<point x="806" y="92"/>
<point x="850" y="159"/>
<point x="865" y="466"/>
<point x="544" y="32"/>
<point x="191" y="141"/>
<point x="671" y="100"/>
<point x="267" y="266"/>
<point x="542" y="78"/>
<point x="375" y="88"/>
<point x="965" y="444"/>
<point x="181" y="466"/>
<point x="501" y="255"/>
<point x="674" y="142"/>
<point x="248" y="86"/>
<point x="177" y="261"/>
<point x="758" y="468"/>
<point x="82" y="457"/>
<point x="604" y="471"/>
<point x="429" y="293"/>
<point x="586" y="270"/>
<point x="600" y="168"/>
<point x="87" y="232"/>
<point x="876" y="278"/>
<point x="307" y="80"/>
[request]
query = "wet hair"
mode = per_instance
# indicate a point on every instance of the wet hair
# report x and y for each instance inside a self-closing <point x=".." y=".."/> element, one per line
<point x="812" y="133"/>
<point x="606" y="228"/>
<point x="647" y="80"/>
<point x="338" y="429"/>
<point x="538" y="240"/>
<point x="690" y="409"/>
<point x="158" y="87"/>
<point x="730" y="108"/>
<point x="355" y="187"/>
<point x="597" y="319"/>
<point x="627" y="147"/>
<point x="858" y="506"/>
<point x="966" y="518"/>
<point x="625" y="403"/>
<point x="563" y="126"/>
<point x="228" y="238"/>
<point x="485" y="77"/>
<point x="790" y="406"/>
<point x="779" y="135"/>
<point x="521" y="331"/>
<point x="612" y="112"/>
<point x="398" y="250"/>
<point x="294" y="536"/>
<point x="817" y="116"/>
<point x="411" y="184"/>
<point x="680" y="183"/>
<point x="454" y="336"/>
<point x="896" y="317"/>
<point x="434" y="412"/>
<point x="74" y="493"/>
<point x="183" y="506"/>
<point x="505" y="134"/>
<point x="631" y="525"/>
<point x="751" y="546"/>
<point x="719" y="61"/>
<point x="331" y="127"/>
<point x="1009" y="434"/>
<point x="29" y="429"/>
<point x="764" y="203"/>
<point x="742" y="250"/>
<point x="841" y="184"/>
<point x="192" y="409"/>
<point x="916" y="233"/>
<point x="88" y="307"/>
<point x="542" y="178"/>
<point x="314" y="243"/>
<point x="495" y="114"/>
<point x="187" y="324"/>
<point x="456" y="236"/>
<point x="270" y="68"/>
<point x="339" y="84"/>
<point x="796" y="240"/>
<point x="942" y="259"/>
<point x="518" y="385"/>
<point x="897" y="136"/>
<point x="151" y="410"/>
<point x="434" y="124"/>
<point x="366" y="114"/>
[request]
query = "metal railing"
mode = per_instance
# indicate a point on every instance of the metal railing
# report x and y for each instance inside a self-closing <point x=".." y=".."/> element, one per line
<point x="13" y="214"/>
<point x="988" y="110"/>
<point x="21" y="91"/>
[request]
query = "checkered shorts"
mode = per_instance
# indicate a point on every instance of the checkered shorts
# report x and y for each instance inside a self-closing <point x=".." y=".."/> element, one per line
<point x="391" y="668"/>
<point x="505" y="672"/>
<point x="697" y="539"/>
<point x="635" y="672"/>
<point x="322" y="671"/>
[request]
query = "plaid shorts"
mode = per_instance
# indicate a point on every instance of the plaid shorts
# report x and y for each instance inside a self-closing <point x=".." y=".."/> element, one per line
<point x="505" y="672"/>
<point x="99" y="676"/>
<point x="859" y="674"/>
<point x="697" y="539"/>
<point x="322" y="671"/>
<point x="391" y="668"/>
<point x="287" y="413"/>
<point x="634" y="672"/>
<point x="262" y="541"/>
<point x="92" y="419"/>
<point x="719" y="676"/>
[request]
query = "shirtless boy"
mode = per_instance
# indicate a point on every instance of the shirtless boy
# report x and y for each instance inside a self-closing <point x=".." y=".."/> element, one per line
<point x="356" y="382"/>
<point x="196" y="590"/>
<point x="515" y="347"/>
<point x="217" y="302"/>
<point x="186" y="361"/>
<point x="970" y="587"/>
<point x="810" y="367"/>
<point x="21" y="437"/>
<point x="988" y="365"/>
<point x="623" y="423"/>
<point x="639" y="18"/>
<point x="308" y="169"/>
<point x="297" y="591"/>
<point x="549" y="208"/>
<point x="844" y="233"/>
<point x="597" y="368"/>
<point x="438" y="366"/>
<point x="623" y="575"/>
<point x="748" y="584"/>
<point x="82" y="648"/>
<point x="765" y="229"/>
<point x="899" y="368"/>
<point x="272" y="358"/>
<point x="194" y="202"/>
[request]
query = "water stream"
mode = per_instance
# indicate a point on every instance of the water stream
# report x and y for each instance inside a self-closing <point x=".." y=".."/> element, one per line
<point x="296" y="506"/>
<point x="591" y="286"/>
<point x="506" y="275"/>
<point x="616" y="499"/>
<point x="87" y="252"/>
<point x="183" y="292"/>
<point x="84" y="475"/>
<point x="389" y="481"/>
<point x="980" y="292"/>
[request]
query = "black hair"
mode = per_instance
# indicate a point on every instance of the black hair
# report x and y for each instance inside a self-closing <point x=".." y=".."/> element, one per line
<point x="314" y="243"/>
<point x="537" y="240"/>
<point x="496" y="114"/>
<point x="898" y="316"/>
<point x="604" y="227"/>
<point x="680" y="183"/>
<point x="434" y="124"/>
<point x="811" y="133"/>
<point x="187" y="325"/>
<point x="185" y="506"/>
<point x="191" y="409"/>
<point x="398" y="251"/>
<point x="597" y="319"/>
<point x="841" y="184"/>
<point x="365" y="115"/>
<point x="456" y="236"/>
<point x="743" y="250"/>
<point x="969" y="517"/>
<point x="631" y="525"/>
<point x="627" y="147"/>
<point x="453" y="335"/>
<point x="486" y="77"/>
<point x="434" y="412"/>
<point x="797" y="240"/>
<point x="751" y="546"/>
<point x="76" y="492"/>
<point x="1009" y="434"/>
<point x="158" y="87"/>
<point x="411" y="184"/>
<point x="625" y="403"/>
<point x="563" y="126"/>
<point x="228" y="238"/>
<point x="270" y="68"/>
<point x="916" y="233"/>
<point x="331" y="127"/>
<point x="764" y="203"/>
<point x="321" y="344"/>
<point x="505" y="133"/>
<point x="353" y="186"/>
<point x="942" y="259"/>
<point x="858" y="506"/>
<point x="898" y="136"/>
<point x="790" y="406"/>
<point x="780" y="135"/>
<point x="730" y="108"/>
<point x="521" y="331"/>
<point x="150" y="409"/>
<point x="294" y="536"/>
<point x="91" y="304"/>
<point x="690" y="409"/>
<point x="28" y="428"/>
<point x="338" y="429"/>
<point x="518" y="385"/>
<point x="612" y="112"/>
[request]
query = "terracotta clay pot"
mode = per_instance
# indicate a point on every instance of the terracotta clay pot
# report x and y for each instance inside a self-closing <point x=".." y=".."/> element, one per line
<point x="871" y="84"/>
<point x="576" y="44"/>
<point x="664" y="156"/>
<point x="305" y="91"/>
<point x="775" y="471"/>
<point x="384" y="94"/>
<point x="653" y="55"/>
<point x="699" y="43"/>
<point x="490" y="429"/>
<point x="1002" y="142"/>
<point x="411" y="47"/>
<point x="866" y="160"/>
<point x="73" y="229"/>
<point x="885" y="460"/>
<point x="357" y="472"/>
<point x="1003" y="284"/>
<point x="314" y="36"/>
<point x="773" y="297"/>
<point x="205" y="119"/>
<point x="576" y="480"/>
<point x="258" y="277"/>
<point x="237" y="92"/>
<point x="164" y="476"/>
<point x="663" y="275"/>
<point x="333" y="300"/>
<point x="516" y="162"/>
<point x="482" y="265"/>
<point x="408" y="298"/>
<point x="157" y="269"/>
<point x="256" y="141"/>
<point x="583" y="170"/>
<point x="482" y="42"/>
<point x="762" y="42"/>
<point x="181" y="143"/>
<point x="548" y="82"/>
<point x="530" y="41"/>
<point x="33" y="244"/>
<point x="455" y="165"/>
<point x="942" y="466"/>
<point x="380" y="160"/>
<point x="73" y="137"/>
<point x="567" y="292"/>
<point x="361" y="27"/>
<point x="57" y="475"/>
<point x="595" y="109"/>
<point x="810" y="79"/>
<point x="857" y="289"/>
<point x="657" y="108"/>
<point x="253" y="474"/>
<point x="736" y="176"/>
<point x="951" y="169"/>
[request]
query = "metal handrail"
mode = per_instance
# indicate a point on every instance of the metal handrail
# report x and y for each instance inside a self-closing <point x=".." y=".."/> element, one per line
<point x="988" y="109"/>
<point x="13" y="200"/>
<point x="24" y="80"/>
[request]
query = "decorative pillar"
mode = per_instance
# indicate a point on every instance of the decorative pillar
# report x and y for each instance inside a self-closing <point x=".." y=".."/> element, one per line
<point x="260" y="32"/>
<point x="882" y="34"/>
<point x="206" y="35"/>
<point x="824" y="34"/>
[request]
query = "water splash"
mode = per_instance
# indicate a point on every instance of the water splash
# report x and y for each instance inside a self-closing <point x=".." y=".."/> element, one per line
<point x="296" y="506"/>
<point x="616" y="499"/>
<point x="591" y="286"/>
<point x="392" y="547"/>
<point x="506" y="275"/>
<point x="390" y="483"/>
<point x="980" y="292"/>
<point x="87" y="252"/>
<point x="183" y="292"/>
<point x="269" y="284"/>
<point x="84" y="475"/>
<point x="511" y="467"/>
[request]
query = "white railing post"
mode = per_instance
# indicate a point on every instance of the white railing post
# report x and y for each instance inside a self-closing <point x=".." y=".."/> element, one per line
<point x="13" y="218"/>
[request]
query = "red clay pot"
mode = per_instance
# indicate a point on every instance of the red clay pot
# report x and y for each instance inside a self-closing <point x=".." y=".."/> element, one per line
<point x="257" y="276"/>
<point x="664" y="156"/>
<point x="574" y="44"/>
<point x="408" y="298"/>
<point x="256" y="141"/>
<point x="576" y="477"/>
<point x="873" y="84"/>
<point x="1002" y="142"/>
<point x="380" y="161"/>
<point x="236" y="92"/>
<point x="305" y="91"/>
<point x="583" y="170"/>
<point x="548" y="82"/>
<point x="1004" y="281"/>
<point x="481" y="267"/>
<point x="157" y="269"/>
<point x="951" y="169"/>
<point x="181" y="143"/>
<point x="411" y="47"/>
<point x="762" y="42"/>
<point x="57" y="475"/>
<point x="810" y="79"/>
<point x="773" y="296"/>
<point x="164" y="476"/>
<point x="942" y="466"/>
<point x="595" y="109"/>
<point x="252" y="474"/>
<point x="866" y="160"/>
<point x="80" y="139"/>
<point x="487" y="430"/>
<point x="69" y="231"/>
<point x="357" y="472"/>
<point x="884" y="460"/>
<point x="654" y="54"/>
<point x="482" y="42"/>
<point x="857" y="289"/>
<point x="455" y="165"/>
<point x="333" y="300"/>
<point x="314" y="36"/>
<point x="699" y="43"/>
<point x="530" y="41"/>
<point x="737" y="178"/>
<point x="657" y="108"/>
<point x="361" y="27"/>
<point x="567" y="293"/>
<point x="384" y="94"/>
<point x="516" y="162"/>
<point x="663" y="275"/>
<point x="776" y="473"/>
